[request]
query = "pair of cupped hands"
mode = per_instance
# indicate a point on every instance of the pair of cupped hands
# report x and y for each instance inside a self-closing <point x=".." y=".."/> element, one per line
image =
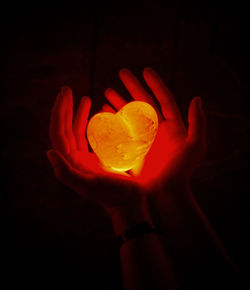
<point x="169" y="162"/>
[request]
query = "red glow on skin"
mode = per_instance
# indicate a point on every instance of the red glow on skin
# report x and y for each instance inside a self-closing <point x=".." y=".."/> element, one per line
<point x="173" y="149"/>
<point x="174" y="152"/>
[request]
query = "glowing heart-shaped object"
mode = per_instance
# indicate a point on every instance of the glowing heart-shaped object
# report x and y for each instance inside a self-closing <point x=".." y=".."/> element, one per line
<point x="122" y="140"/>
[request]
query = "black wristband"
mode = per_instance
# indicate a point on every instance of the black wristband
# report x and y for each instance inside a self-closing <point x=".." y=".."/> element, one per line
<point x="136" y="231"/>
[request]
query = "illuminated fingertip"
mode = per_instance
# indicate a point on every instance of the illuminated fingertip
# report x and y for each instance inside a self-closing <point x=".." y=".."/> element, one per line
<point x="147" y="69"/>
<point x="124" y="71"/>
<point x="66" y="90"/>
<point x="198" y="100"/>
<point x="86" y="100"/>
<point x="108" y="91"/>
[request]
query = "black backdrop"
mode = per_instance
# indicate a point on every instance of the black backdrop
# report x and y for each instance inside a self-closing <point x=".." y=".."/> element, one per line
<point x="49" y="234"/>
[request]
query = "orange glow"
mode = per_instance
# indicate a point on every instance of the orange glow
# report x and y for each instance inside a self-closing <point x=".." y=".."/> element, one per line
<point x="122" y="140"/>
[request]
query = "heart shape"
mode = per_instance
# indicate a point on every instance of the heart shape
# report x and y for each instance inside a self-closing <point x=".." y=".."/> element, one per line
<point x="122" y="140"/>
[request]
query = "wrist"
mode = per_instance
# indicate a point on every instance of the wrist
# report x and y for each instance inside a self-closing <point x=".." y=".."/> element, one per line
<point x="129" y="215"/>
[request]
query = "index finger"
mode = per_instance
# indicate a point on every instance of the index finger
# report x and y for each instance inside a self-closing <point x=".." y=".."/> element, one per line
<point x="166" y="99"/>
<point x="136" y="90"/>
<point x="115" y="99"/>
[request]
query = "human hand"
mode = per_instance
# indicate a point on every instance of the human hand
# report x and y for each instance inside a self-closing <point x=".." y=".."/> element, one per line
<point x="171" y="159"/>
<point x="79" y="169"/>
<point x="175" y="151"/>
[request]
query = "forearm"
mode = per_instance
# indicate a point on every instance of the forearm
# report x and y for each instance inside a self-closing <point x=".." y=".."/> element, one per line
<point x="144" y="262"/>
<point x="191" y="240"/>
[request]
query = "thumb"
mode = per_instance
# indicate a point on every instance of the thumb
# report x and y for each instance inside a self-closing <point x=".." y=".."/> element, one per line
<point x="60" y="165"/>
<point x="197" y="123"/>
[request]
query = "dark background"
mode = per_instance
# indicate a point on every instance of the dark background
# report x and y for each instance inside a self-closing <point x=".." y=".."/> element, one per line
<point x="49" y="234"/>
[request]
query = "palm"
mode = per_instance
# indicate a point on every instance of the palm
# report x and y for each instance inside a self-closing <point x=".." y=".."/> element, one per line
<point x="173" y="147"/>
<point x="175" y="151"/>
<point x="84" y="161"/>
<point x="172" y="156"/>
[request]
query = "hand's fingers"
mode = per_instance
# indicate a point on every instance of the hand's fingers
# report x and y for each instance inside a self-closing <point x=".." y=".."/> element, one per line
<point x="197" y="123"/>
<point x="136" y="89"/>
<point x="57" y="133"/>
<point x="164" y="96"/>
<point x="80" y="123"/>
<point x="67" y="93"/>
<point x="107" y="108"/>
<point x="68" y="175"/>
<point x="115" y="99"/>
